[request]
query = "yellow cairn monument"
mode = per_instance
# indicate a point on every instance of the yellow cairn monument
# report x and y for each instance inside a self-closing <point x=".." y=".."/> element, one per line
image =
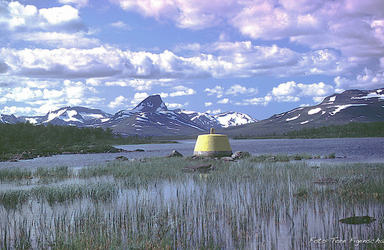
<point x="212" y="145"/>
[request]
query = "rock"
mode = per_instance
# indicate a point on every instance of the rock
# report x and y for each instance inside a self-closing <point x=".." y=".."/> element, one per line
<point x="356" y="220"/>
<point x="139" y="150"/>
<point x="240" y="155"/>
<point x="121" y="158"/>
<point x="227" y="159"/>
<point x="175" y="153"/>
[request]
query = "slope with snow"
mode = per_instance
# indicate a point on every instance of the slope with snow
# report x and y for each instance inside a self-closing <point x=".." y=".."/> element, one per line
<point x="337" y="109"/>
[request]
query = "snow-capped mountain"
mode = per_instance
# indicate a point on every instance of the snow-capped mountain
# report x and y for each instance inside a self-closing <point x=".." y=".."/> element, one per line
<point x="152" y="117"/>
<point x="71" y="116"/>
<point x="337" y="109"/>
<point x="10" y="119"/>
<point x="230" y="119"/>
<point x="149" y="117"/>
<point x="222" y="120"/>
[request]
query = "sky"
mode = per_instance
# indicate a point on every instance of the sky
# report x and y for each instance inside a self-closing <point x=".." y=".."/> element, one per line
<point x="258" y="57"/>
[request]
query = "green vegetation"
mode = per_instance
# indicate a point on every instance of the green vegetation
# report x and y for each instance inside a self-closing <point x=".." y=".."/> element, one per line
<point x="154" y="204"/>
<point x="353" y="129"/>
<point x="26" y="141"/>
<point x="372" y="129"/>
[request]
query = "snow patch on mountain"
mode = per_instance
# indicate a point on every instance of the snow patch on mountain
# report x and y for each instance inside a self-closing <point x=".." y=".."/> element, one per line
<point x="292" y="118"/>
<point x="314" y="111"/>
<point x="341" y="107"/>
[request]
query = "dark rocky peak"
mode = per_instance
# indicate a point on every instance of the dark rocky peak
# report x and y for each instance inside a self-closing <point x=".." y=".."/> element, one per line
<point x="151" y="104"/>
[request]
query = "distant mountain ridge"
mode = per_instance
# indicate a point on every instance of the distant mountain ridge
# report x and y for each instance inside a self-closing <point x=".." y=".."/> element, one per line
<point x="337" y="109"/>
<point x="151" y="117"/>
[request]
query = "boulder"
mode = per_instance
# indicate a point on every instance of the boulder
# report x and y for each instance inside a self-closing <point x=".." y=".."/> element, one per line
<point x="175" y="153"/>
<point x="121" y="158"/>
<point x="240" y="155"/>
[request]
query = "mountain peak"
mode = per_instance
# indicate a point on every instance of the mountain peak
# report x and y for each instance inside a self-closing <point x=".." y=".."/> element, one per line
<point x="152" y="103"/>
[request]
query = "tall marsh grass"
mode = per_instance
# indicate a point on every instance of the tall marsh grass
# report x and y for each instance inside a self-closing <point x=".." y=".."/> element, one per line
<point x="239" y="205"/>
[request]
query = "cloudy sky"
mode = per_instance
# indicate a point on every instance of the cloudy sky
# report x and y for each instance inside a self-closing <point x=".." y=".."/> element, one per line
<point x="260" y="57"/>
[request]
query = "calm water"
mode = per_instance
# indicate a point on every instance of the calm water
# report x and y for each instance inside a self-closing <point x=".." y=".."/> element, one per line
<point x="348" y="149"/>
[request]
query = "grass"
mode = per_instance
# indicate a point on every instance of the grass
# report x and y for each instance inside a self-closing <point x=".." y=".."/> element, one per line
<point x="248" y="204"/>
<point x="58" y="194"/>
<point x="287" y="158"/>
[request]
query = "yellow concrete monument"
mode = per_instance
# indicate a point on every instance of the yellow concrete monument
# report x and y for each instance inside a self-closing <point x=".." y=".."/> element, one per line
<point x="212" y="145"/>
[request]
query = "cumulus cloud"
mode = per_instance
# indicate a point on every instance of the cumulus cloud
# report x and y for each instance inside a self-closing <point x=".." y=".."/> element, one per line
<point x="217" y="90"/>
<point x="223" y="101"/>
<point x="176" y="105"/>
<point x="229" y="59"/>
<point x="78" y="3"/>
<point x="238" y="89"/>
<point x="368" y="79"/>
<point x="117" y="102"/>
<point x="28" y="17"/>
<point x="353" y="27"/>
<point x="292" y="91"/>
<point x="214" y="111"/>
<point x="257" y="101"/>
<point x="16" y="110"/>
<point x="186" y="14"/>
<point x="138" y="97"/>
<point x="32" y="98"/>
<point x="182" y="91"/>
<point x="208" y="104"/>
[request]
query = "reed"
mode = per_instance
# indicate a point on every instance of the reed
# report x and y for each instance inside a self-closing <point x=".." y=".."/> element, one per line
<point x="239" y="205"/>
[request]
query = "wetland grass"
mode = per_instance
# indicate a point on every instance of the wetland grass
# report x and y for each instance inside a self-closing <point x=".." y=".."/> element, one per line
<point x="248" y="204"/>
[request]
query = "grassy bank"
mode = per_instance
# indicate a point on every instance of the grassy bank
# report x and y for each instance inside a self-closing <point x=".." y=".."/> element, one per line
<point x="254" y="203"/>
<point x="26" y="141"/>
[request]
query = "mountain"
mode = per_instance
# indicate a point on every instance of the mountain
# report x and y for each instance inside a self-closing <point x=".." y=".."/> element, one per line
<point x="71" y="116"/>
<point x="152" y="117"/>
<point x="10" y="119"/>
<point x="222" y="120"/>
<point x="337" y="109"/>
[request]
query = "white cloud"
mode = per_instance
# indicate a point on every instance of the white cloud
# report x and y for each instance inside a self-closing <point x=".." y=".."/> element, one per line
<point x="214" y="112"/>
<point x="217" y="90"/>
<point x="93" y="82"/>
<point x="29" y="17"/>
<point x="20" y="94"/>
<point x="78" y="3"/>
<point x="16" y="110"/>
<point x="38" y="99"/>
<point x="138" y="97"/>
<point x="208" y="104"/>
<point x="292" y="91"/>
<point x="318" y="99"/>
<point x="353" y="27"/>
<point x="182" y="91"/>
<point x="368" y="79"/>
<point x="258" y="101"/>
<point x="238" y="89"/>
<point x="176" y="105"/>
<point x="223" y="101"/>
<point x="120" y="25"/>
<point x="233" y="59"/>
<point x="117" y="102"/>
<point x="56" y="39"/>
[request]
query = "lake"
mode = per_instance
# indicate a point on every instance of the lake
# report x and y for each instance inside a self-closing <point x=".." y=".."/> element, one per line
<point x="153" y="203"/>
<point x="346" y="149"/>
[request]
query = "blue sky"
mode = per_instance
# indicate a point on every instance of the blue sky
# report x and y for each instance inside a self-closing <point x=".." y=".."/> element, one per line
<point x="259" y="57"/>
